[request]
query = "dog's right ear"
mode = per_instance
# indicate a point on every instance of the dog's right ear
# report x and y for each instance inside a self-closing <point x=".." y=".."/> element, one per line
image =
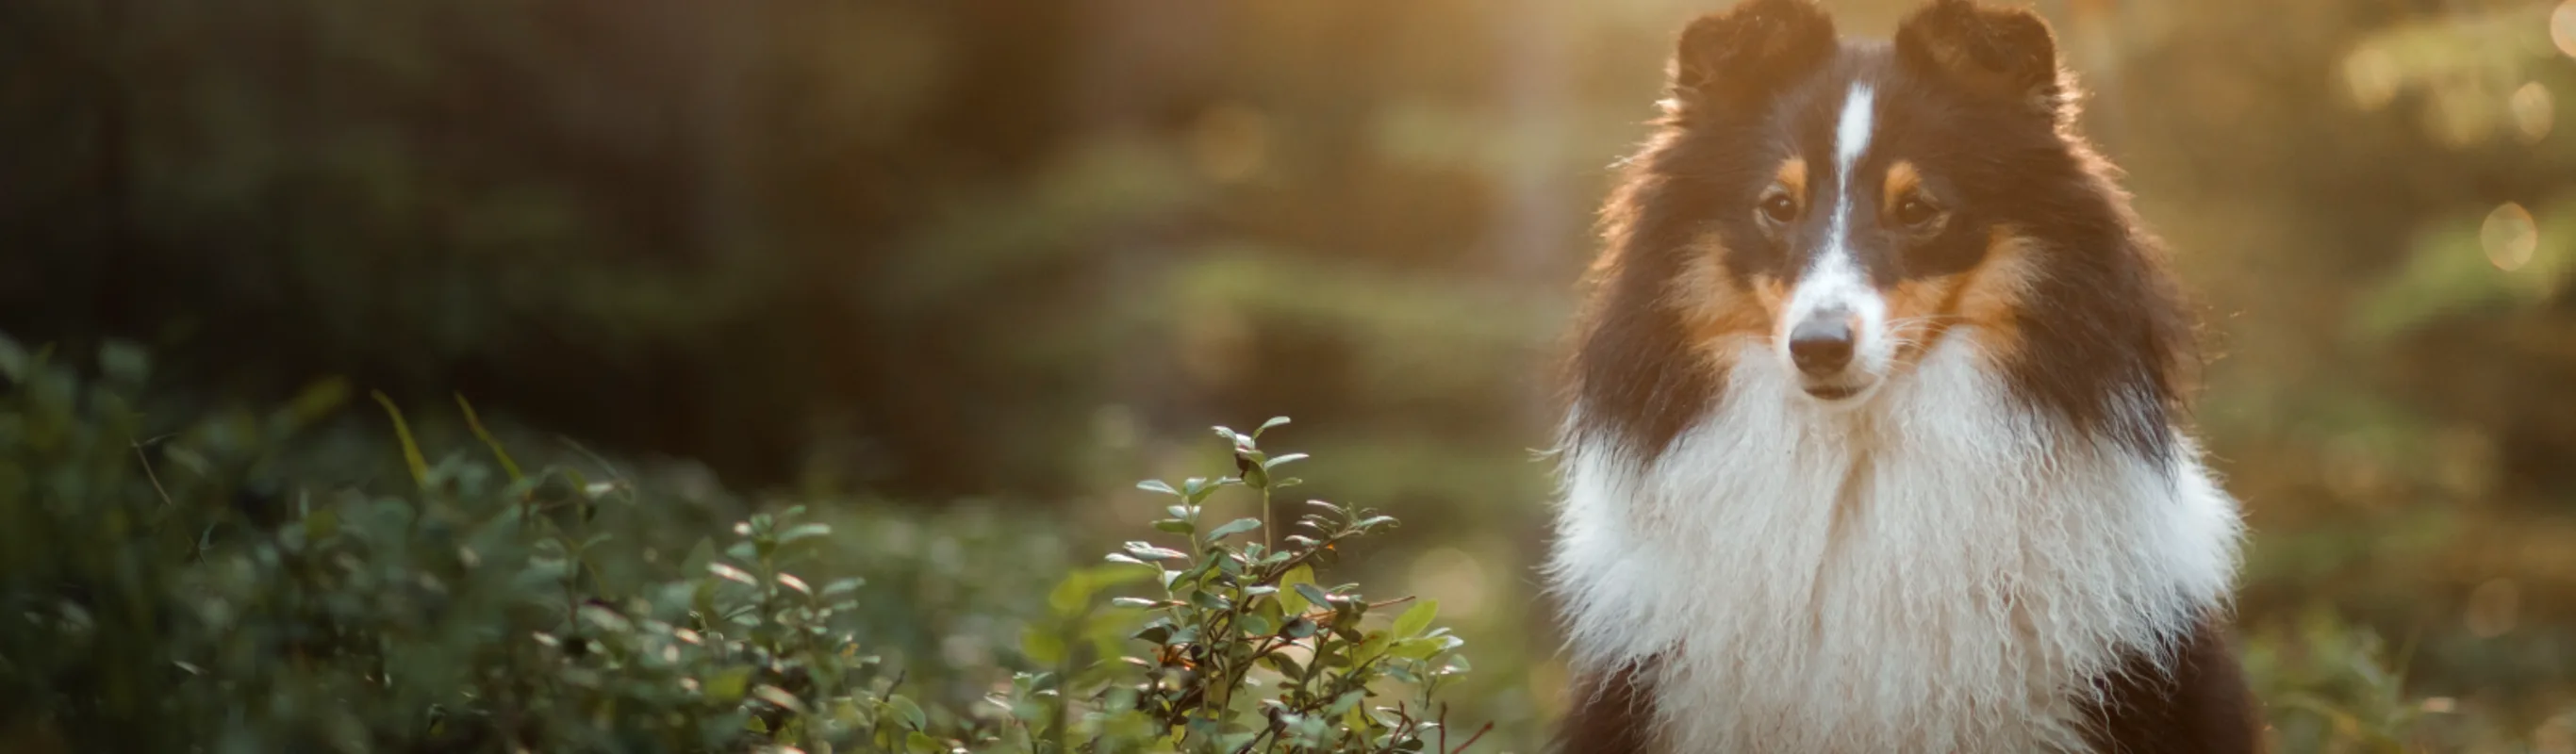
<point x="1741" y="55"/>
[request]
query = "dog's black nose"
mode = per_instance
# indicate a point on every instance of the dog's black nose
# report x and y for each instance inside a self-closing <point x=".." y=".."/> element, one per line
<point x="1821" y="345"/>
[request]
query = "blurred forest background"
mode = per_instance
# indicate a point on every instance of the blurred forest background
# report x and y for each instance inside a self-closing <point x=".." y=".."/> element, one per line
<point x="1015" y="254"/>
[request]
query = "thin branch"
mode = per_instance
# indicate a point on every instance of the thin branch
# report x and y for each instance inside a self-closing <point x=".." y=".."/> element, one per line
<point x="1471" y="740"/>
<point x="147" y="467"/>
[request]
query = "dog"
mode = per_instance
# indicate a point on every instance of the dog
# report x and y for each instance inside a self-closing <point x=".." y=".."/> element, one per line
<point x="1875" y="434"/>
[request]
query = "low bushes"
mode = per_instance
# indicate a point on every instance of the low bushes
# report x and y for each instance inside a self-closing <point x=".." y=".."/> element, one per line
<point x="187" y="591"/>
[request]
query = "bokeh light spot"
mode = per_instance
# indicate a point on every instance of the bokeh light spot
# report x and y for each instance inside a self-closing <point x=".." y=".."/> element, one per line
<point x="2534" y="111"/>
<point x="2371" y="77"/>
<point x="2462" y="113"/>
<point x="2562" y="27"/>
<point x="1455" y="578"/>
<point x="2509" y="237"/>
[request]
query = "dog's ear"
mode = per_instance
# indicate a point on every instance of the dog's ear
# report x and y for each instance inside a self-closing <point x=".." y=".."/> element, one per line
<point x="2005" y="53"/>
<point x="1741" y="55"/>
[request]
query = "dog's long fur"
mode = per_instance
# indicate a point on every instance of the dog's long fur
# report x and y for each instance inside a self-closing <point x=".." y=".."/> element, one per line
<point x="1989" y="532"/>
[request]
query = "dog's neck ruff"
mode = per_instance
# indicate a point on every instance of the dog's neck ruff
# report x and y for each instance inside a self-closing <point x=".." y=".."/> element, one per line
<point x="1940" y="570"/>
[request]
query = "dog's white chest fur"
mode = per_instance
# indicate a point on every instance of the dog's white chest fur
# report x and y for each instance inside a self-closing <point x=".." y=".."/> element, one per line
<point x="1939" y="570"/>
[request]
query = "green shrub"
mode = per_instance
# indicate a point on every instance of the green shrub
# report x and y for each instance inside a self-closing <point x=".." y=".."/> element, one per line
<point x="170" y="591"/>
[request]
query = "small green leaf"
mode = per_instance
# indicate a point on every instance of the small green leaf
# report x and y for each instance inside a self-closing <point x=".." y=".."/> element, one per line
<point x="1423" y="648"/>
<point x="1174" y="526"/>
<point x="1146" y="551"/>
<point x="728" y="685"/>
<point x="1417" y="619"/>
<point x="1295" y="601"/>
<point x="605" y="619"/>
<point x="1374" y="645"/>
<point x="702" y="598"/>
<point x="1346" y="702"/>
<point x="123" y="362"/>
<point x="804" y="532"/>
<point x="1237" y="526"/>
<point x="699" y="557"/>
<point x="1313" y="594"/>
<point x="321" y="524"/>
<point x="1286" y="665"/>
<point x="1073" y="594"/>
<point x="780" y="697"/>
<point x="1275" y="421"/>
<point x="1157" y="485"/>
<point x="910" y="712"/>
<point x="317" y="400"/>
<point x="730" y="573"/>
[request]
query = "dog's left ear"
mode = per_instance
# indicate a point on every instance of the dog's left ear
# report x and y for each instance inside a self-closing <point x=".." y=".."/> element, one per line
<point x="2005" y="53"/>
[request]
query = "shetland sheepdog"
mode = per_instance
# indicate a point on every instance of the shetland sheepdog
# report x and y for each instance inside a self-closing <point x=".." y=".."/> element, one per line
<point x="1875" y="432"/>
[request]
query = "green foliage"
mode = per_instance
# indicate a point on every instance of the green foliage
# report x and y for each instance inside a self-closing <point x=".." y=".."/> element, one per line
<point x="1247" y="650"/>
<point x="157" y="602"/>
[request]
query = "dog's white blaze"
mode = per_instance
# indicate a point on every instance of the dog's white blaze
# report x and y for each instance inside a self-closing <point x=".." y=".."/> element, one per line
<point x="1940" y="570"/>
<point x="1852" y="130"/>
<point x="1835" y="282"/>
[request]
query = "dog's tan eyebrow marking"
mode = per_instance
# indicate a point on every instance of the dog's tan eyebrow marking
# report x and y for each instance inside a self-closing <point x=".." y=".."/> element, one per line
<point x="1902" y="181"/>
<point x="1793" y="176"/>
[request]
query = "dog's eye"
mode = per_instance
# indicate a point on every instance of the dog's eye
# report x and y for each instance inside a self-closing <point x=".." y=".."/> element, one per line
<point x="1916" y="213"/>
<point x="1779" y="208"/>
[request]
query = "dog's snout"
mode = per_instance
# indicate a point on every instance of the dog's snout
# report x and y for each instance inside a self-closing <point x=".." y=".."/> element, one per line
<point x="1822" y="344"/>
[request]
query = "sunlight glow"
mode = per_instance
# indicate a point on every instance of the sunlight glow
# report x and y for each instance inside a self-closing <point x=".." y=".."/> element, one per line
<point x="2371" y="76"/>
<point x="1454" y="577"/>
<point x="2533" y="112"/>
<point x="2509" y="237"/>
<point x="2562" y="27"/>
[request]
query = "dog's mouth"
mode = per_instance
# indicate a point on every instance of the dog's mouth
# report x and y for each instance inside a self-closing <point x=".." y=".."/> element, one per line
<point x="1839" y="392"/>
<point x="1833" y="392"/>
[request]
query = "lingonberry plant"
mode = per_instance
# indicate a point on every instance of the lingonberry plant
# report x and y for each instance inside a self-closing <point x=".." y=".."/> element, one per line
<point x="195" y="588"/>
<point x="1244" y="650"/>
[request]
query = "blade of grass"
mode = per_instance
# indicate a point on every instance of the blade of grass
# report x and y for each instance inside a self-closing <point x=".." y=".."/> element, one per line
<point x="476" y="423"/>
<point x="402" y="431"/>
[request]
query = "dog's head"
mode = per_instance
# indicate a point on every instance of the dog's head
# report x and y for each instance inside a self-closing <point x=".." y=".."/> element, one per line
<point x="1849" y="204"/>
